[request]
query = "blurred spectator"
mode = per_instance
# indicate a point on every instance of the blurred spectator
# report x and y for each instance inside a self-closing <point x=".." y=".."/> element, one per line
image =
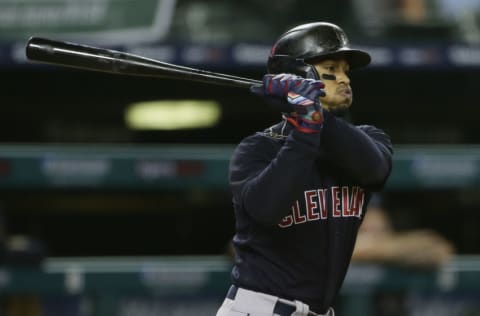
<point x="465" y="14"/>
<point x="378" y="242"/>
<point x="406" y="19"/>
<point x="413" y="11"/>
<point x="211" y="20"/>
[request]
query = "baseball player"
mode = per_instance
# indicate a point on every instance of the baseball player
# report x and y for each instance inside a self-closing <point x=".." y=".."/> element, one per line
<point x="300" y="188"/>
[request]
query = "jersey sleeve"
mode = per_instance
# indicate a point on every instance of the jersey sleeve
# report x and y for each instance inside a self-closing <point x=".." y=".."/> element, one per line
<point x="363" y="152"/>
<point x="265" y="175"/>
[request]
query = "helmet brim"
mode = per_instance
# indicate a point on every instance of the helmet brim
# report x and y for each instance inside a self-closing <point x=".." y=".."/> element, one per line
<point x="356" y="58"/>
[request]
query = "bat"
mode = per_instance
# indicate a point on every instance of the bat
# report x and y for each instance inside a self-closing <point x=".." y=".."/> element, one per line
<point x="106" y="60"/>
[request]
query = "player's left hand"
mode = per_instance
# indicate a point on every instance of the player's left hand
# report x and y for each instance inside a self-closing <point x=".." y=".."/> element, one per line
<point x="274" y="89"/>
<point x="291" y="93"/>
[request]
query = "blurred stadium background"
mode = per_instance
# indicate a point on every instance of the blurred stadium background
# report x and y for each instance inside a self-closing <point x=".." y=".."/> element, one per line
<point x="101" y="215"/>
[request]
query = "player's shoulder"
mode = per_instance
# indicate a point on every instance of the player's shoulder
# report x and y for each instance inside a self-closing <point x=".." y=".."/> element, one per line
<point x="270" y="139"/>
<point x="372" y="130"/>
<point x="275" y="134"/>
<point x="378" y="135"/>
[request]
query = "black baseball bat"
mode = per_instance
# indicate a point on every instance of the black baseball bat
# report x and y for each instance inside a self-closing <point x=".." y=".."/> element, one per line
<point x="106" y="60"/>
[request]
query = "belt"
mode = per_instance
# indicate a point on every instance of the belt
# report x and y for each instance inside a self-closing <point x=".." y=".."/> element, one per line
<point x="281" y="308"/>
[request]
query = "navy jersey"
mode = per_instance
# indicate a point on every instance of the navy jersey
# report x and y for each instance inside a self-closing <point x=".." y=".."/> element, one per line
<point x="299" y="200"/>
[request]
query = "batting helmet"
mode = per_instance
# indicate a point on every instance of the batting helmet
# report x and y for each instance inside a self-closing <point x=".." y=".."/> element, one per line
<point x="297" y="48"/>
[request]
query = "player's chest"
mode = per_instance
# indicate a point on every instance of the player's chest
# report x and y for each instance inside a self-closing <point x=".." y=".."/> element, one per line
<point x="321" y="204"/>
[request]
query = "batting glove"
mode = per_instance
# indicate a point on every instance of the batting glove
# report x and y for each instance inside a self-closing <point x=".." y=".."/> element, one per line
<point x="274" y="91"/>
<point x="289" y="93"/>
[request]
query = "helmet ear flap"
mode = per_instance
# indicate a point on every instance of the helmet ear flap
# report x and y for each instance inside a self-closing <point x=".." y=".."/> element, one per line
<point x="312" y="73"/>
<point x="288" y="64"/>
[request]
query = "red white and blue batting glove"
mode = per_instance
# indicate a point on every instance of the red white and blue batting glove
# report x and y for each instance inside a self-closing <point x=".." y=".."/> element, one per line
<point x="274" y="90"/>
<point x="305" y="100"/>
<point x="292" y="93"/>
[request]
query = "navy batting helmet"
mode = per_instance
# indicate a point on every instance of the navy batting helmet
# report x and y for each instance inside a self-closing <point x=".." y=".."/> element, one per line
<point x="297" y="48"/>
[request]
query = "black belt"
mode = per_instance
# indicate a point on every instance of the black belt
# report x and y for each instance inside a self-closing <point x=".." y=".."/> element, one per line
<point x="280" y="308"/>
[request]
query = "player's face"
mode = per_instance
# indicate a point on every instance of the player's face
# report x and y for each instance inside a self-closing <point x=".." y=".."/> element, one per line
<point x="338" y="93"/>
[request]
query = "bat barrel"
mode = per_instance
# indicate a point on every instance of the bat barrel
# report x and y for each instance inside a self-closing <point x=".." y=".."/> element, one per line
<point x="111" y="61"/>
